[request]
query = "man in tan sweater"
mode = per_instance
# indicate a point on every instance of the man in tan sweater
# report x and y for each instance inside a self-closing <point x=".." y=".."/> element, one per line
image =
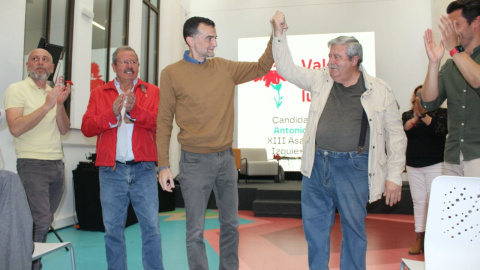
<point x="199" y="92"/>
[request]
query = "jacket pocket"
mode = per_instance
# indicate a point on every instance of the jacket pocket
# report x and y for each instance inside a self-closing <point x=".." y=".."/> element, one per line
<point x="382" y="159"/>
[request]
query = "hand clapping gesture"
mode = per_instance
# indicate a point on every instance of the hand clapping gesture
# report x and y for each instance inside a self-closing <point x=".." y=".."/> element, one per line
<point x="434" y="52"/>
<point x="57" y="95"/>
<point x="129" y="101"/>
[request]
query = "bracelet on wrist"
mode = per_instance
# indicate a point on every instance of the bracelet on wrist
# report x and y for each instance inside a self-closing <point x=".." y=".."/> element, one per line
<point x="457" y="49"/>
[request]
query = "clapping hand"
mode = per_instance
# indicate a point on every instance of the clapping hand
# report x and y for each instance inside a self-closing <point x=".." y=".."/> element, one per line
<point x="434" y="52"/>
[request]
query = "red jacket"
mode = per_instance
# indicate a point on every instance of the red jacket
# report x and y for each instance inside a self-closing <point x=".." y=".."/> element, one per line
<point x="99" y="115"/>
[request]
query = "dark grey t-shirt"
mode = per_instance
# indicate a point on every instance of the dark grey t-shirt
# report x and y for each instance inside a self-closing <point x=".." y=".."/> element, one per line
<point x="341" y="121"/>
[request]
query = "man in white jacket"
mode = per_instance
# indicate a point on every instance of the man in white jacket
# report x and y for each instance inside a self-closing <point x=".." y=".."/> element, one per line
<point x="354" y="146"/>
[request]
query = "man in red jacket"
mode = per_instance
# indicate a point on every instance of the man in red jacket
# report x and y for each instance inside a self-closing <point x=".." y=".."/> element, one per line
<point x="122" y="114"/>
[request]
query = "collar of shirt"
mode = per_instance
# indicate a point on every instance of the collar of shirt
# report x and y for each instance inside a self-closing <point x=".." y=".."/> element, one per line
<point x="117" y="85"/>
<point x="190" y="59"/>
<point x="475" y="51"/>
<point x="35" y="86"/>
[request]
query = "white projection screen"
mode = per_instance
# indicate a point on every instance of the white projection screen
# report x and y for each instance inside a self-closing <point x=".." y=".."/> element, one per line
<point x="272" y="113"/>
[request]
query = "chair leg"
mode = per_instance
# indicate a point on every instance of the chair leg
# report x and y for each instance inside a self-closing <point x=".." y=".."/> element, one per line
<point x="403" y="266"/>
<point x="58" y="236"/>
<point x="72" y="257"/>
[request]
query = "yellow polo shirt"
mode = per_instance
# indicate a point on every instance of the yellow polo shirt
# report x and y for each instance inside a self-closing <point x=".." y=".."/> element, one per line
<point x="42" y="141"/>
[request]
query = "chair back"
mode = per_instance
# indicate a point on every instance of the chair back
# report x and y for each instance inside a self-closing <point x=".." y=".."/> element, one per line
<point x="452" y="235"/>
<point x="254" y="154"/>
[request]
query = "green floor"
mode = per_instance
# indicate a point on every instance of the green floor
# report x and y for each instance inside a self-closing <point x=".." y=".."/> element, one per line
<point x="90" y="248"/>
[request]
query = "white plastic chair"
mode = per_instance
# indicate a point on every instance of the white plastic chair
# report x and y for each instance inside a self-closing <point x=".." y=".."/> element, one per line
<point x="42" y="249"/>
<point x="452" y="235"/>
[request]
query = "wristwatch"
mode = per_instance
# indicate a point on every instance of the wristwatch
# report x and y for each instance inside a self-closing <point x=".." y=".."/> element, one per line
<point x="422" y="115"/>
<point x="457" y="49"/>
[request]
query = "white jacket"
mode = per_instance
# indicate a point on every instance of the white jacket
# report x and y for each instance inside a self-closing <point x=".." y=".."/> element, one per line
<point x="387" y="139"/>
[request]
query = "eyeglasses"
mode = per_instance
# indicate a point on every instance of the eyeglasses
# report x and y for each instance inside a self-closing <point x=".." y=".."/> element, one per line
<point x="126" y="62"/>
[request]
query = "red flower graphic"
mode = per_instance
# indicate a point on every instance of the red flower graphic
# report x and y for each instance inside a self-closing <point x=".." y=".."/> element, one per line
<point x="272" y="77"/>
<point x="95" y="76"/>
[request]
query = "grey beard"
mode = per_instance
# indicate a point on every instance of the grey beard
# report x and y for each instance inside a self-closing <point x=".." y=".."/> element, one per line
<point x="40" y="77"/>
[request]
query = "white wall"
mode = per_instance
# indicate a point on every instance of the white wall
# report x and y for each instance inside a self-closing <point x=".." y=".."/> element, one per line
<point x="173" y="14"/>
<point x="398" y="26"/>
<point x="11" y="68"/>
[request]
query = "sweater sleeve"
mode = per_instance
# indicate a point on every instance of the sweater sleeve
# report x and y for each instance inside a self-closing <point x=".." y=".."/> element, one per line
<point x="242" y="72"/>
<point x="165" y="118"/>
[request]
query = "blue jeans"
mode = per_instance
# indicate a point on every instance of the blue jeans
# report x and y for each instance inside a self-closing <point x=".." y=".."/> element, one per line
<point x="338" y="179"/>
<point x="138" y="184"/>
<point x="199" y="174"/>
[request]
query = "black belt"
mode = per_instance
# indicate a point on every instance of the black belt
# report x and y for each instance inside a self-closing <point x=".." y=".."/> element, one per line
<point x="129" y="163"/>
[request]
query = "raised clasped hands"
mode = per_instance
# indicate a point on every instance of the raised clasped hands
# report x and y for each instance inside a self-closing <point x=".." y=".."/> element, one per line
<point x="279" y="23"/>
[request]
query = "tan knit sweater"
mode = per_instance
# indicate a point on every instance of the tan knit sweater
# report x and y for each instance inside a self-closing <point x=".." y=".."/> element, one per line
<point x="200" y="97"/>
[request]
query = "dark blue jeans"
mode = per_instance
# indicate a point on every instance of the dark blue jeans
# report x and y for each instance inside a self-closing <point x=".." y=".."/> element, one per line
<point x="138" y="184"/>
<point x="338" y="179"/>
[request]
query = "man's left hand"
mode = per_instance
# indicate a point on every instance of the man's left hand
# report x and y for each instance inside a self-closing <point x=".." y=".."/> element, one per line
<point x="129" y="101"/>
<point x="393" y="193"/>
<point x="64" y="93"/>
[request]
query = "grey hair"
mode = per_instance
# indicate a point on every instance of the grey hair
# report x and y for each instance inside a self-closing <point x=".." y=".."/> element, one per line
<point x="122" y="48"/>
<point x="354" y="47"/>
